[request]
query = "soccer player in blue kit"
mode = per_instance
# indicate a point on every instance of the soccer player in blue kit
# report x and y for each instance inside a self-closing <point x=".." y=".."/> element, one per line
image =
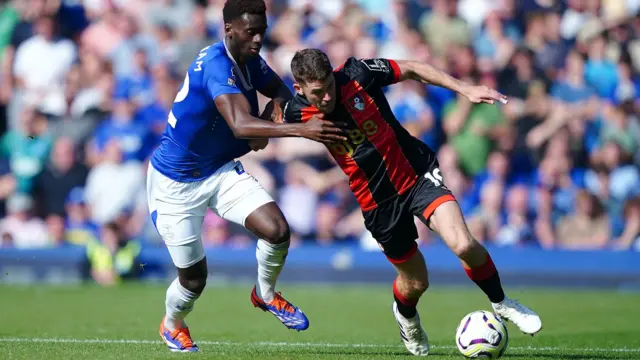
<point x="214" y="120"/>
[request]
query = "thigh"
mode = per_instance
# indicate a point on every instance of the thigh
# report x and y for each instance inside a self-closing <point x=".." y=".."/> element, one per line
<point x="449" y="223"/>
<point x="428" y="195"/>
<point x="392" y="226"/>
<point x="239" y="194"/>
<point x="185" y="256"/>
<point x="177" y="210"/>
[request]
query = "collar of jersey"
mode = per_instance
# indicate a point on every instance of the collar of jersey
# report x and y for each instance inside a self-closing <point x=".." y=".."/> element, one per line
<point x="247" y="84"/>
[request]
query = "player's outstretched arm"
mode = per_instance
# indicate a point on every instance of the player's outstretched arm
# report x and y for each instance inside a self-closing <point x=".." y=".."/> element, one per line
<point x="426" y="73"/>
<point x="236" y="111"/>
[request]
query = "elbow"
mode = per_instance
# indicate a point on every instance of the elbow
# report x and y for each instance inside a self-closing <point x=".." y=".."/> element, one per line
<point x="239" y="132"/>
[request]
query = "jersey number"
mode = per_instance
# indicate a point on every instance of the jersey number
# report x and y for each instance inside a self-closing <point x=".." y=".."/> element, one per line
<point x="434" y="176"/>
<point x="182" y="94"/>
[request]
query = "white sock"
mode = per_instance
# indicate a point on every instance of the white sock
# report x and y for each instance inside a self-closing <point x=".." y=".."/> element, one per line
<point x="179" y="304"/>
<point x="271" y="259"/>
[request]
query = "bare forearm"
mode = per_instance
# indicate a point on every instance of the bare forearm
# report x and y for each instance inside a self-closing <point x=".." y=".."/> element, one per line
<point x="249" y="127"/>
<point x="428" y="74"/>
<point x="236" y="112"/>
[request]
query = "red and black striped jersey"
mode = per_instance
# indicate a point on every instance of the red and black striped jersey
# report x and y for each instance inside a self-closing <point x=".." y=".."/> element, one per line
<point x="381" y="158"/>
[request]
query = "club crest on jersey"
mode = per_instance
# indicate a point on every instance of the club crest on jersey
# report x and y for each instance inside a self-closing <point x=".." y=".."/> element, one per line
<point x="232" y="80"/>
<point x="357" y="102"/>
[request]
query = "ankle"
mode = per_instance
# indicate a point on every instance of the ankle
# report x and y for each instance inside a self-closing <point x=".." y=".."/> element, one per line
<point x="173" y="324"/>
<point x="266" y="293"/>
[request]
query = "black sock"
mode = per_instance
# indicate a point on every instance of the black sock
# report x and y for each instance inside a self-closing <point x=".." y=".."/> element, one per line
<point x="487" y="278"/>
<point x="407" y="311"/>
<point x="492" y="287"/>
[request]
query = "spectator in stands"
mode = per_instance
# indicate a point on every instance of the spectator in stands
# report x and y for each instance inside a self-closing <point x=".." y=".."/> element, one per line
<point x="196" y="38"/>
<point x="41" y="64"/>
<point x="588" y="228"/>
<point x="442" y="27"/>
<point x="630" y="236"/>
<point x="614" y="178"/>
<point x="55" y="229"/>
<point x="20" y="228"/>
<point x="328" y="213"/>
<point x="486" y="220"/>
<point x="516" y="228"/>
<point x="134" y="139"/>
<point x="113" y="185"/>
<point x="79" y="229"/>
<point x="471" y="129"/>
<point x="299" y="203"/>
<point x="496" y="43"/>
<point x="27" y="148"/>
<point x="60" y="175"/>
<point x="8" y="184"/>
<point x="104" y="34"/>
<point x="600" y="72"/>
<point x="137" y="85"/>
<point x="123" y="56"/>
<point x="115" y="258"/>
<point x="19" y="33"/>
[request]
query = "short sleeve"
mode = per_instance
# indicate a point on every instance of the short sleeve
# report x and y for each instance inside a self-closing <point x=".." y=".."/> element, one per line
<point x="377" y="72"/>
<point x="219" y="78"/>
<point x="291" y="113"/>
<point x="298" y="110"/>
<point x="261" y="73"/>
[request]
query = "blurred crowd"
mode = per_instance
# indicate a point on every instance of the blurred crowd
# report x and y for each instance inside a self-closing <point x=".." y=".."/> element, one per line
<point x="86" y="86"/>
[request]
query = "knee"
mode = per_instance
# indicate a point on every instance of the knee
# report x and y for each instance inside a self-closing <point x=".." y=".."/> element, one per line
<point x="277" y="232"/>
<point x="465" y="246"/>
<point x="194" y="282"/>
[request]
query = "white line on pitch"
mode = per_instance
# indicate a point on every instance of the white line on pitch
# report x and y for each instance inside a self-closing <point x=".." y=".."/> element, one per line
<point x="294" y="344"/>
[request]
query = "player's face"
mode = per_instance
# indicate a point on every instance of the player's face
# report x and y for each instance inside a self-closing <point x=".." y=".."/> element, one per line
<point x="321" y="94"/>
<point x="246" y="34"/>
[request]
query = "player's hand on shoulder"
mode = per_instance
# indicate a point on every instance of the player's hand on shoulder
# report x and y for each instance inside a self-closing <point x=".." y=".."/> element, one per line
<point x="324" y="131"/>
<point x="273" y="111"/>
<point x="483" y="94"/>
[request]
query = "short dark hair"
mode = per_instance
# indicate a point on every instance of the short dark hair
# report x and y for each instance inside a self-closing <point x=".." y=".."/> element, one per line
<point x="234" y="9"/>
<point x="310" y="65"/>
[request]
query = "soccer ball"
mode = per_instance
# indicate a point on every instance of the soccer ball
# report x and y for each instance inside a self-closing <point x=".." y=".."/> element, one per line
<point x="482" y="334"/>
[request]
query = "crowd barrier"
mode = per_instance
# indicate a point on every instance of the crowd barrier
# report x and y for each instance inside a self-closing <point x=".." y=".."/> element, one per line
<point x="345" y="264"/>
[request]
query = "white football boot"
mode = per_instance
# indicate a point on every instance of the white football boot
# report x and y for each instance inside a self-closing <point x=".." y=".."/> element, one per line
<point x="412" y="334"/>
<point x="528" y="321"/>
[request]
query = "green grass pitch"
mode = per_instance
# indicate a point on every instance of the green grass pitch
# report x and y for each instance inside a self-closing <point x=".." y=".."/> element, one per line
<point x="347" y="322"/>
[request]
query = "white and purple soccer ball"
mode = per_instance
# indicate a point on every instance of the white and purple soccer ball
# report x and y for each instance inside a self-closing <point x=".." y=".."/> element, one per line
<point x="482" y="334"/>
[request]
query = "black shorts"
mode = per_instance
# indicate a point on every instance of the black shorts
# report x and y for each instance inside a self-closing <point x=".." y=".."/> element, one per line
<point x="392" y="222"/>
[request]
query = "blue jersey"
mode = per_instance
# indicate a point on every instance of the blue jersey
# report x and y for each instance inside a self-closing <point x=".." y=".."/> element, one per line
<point x="197" y="140"/>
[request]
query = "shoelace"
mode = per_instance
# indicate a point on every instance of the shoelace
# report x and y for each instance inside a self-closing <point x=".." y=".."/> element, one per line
<point x="184" y="337"/>
<point x="415" y="333"/>
<point x="515" y="305"/>
<point x="280" y="303"/>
